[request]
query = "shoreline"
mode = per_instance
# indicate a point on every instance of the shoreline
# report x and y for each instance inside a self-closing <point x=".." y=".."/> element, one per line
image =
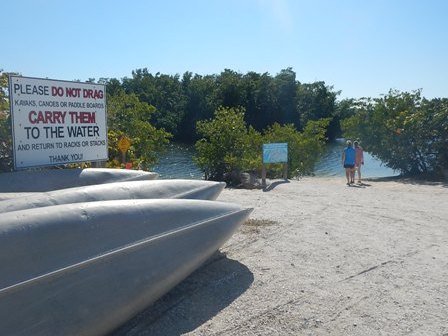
<point x="321" y="258"/>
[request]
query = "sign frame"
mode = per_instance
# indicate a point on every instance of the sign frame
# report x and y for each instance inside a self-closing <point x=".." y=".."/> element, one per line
<point x="274" y="153"/>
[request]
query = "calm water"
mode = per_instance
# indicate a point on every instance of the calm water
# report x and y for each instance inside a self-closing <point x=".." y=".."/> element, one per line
<point x="178" y="163"/>
<point x="330" y="163"/>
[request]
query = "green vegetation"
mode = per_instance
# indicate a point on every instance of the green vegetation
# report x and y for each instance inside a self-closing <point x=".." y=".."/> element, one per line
<point x="182" y="101"/>
<point x="407" y="132"/>
<point x="230" y="115"/>
<point x="229" y="147"/>
<point x="5" y="126"/>
<point x="128" y="116"/>
<point x="304" y="148"/>
<point x="225" y="141"/>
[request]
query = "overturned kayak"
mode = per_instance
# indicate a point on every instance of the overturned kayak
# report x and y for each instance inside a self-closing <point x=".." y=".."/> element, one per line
<point x="53" y="179"/>
<point x="12" y="195"/>
<point x="187" y="189"/>
<point x="86" y="268"/>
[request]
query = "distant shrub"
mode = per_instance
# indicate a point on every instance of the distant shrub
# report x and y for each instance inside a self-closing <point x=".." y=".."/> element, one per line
<point x="6" y="163"/>
<point x="228" y="146"/>
<point x="304" y="148"/>
<point x="130" y="117"/>
<point x="405" y="131"/>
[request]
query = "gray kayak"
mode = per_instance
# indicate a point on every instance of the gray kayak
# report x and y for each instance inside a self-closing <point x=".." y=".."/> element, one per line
<point x="182" y="189"/>
<point x="86" y="268"/>
<point x="11" y="195"/>
<point x="53" y="179"/>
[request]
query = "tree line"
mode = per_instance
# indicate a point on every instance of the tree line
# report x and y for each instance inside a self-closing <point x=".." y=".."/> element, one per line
<point x="181" y="101"/>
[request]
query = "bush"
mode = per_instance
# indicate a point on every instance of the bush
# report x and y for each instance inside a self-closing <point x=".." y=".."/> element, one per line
<point x="222" y="147"/>
<point x="304" y="148"/>
<point x="6" y="163"/>
<point x="128" y="116"/>
<point x="408" y="133"/>
<point x="228" y="146"/>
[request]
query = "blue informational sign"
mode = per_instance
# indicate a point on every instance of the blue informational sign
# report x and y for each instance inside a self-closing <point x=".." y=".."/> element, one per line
<point x="275" y="153"/>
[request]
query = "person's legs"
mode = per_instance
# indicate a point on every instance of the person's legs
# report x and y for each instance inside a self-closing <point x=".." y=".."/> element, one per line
<point x="347" y="175"/>
<point x="352" y="175"/>
<point x="359" y="173"/>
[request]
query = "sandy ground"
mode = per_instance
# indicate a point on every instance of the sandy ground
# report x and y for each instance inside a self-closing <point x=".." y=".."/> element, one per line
<point x="319" y="258"/>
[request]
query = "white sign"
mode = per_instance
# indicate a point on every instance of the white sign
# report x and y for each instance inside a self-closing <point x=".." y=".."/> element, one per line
<point x="57" y="122"/>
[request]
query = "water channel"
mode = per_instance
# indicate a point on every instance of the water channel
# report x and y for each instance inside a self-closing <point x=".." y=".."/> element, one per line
<point x="177" y="162"/>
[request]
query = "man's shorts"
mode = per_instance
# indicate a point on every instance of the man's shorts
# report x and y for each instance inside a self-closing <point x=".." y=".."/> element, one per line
<point x="349" y="166"/>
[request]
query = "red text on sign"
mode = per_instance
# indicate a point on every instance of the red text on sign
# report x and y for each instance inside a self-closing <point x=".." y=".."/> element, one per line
<point x="46" y="117"/>
<point x="82" y="117"/>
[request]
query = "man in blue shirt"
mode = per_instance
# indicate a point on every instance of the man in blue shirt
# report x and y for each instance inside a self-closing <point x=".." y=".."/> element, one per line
<point x="348" y="160"/>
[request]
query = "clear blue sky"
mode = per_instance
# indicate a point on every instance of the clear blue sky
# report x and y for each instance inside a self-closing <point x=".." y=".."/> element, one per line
<point x="361" y="47"/>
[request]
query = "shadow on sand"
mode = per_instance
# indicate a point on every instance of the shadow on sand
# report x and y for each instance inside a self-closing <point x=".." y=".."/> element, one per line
<point x="411" y="180"/>
<point x="360" y="185"/>
<point x="194" y="301"/>
<point x="274" y="184"/>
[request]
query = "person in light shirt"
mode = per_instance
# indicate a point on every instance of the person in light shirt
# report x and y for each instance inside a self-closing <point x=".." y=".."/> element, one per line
<point x="359" y="159"/>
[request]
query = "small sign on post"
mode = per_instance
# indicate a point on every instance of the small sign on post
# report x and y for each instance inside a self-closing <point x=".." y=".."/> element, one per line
<point x="123" y="145"/>
<point x="275" y="153"/>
